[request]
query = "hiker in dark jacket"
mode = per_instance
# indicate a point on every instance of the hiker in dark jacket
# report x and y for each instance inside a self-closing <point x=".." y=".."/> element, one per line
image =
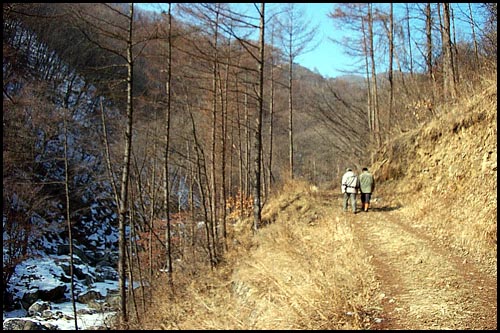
<point x="350" y="185"/>
<point x="366" y="187"/>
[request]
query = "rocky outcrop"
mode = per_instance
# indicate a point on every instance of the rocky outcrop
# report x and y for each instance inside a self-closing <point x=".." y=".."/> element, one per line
<point x="18" y="324"/>
<point x="55" y="294"/>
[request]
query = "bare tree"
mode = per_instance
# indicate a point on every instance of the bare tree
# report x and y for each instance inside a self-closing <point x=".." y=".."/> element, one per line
<point x="271" y="111"/>
<point x="429" y="45"/>
<point x="68" y="217"/>
<point x="389" y="28"/>
<point x="167" y="143"/>
<point x="125" y="170"/>
<point x="296" y="35"/>
<point x="359" y="18"/>
<point x="374" y="86"/>
<point x="474" y="39"/>
<point x="258" y="130"/>
<point x="408" y="31"/>
<point x="449" y="88"/>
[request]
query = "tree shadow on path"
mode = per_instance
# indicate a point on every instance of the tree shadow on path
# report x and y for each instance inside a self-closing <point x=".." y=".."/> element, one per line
<point x="384" y="209"/>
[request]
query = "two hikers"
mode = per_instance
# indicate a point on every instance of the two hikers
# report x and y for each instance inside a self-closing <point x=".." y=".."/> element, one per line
<point x="351" y="184"/>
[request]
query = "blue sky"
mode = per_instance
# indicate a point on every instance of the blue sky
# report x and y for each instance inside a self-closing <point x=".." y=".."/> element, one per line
<point x="327" y="58"/>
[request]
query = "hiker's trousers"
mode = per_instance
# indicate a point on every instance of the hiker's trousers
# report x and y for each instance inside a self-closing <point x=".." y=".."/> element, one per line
<point x="352" y="198"/>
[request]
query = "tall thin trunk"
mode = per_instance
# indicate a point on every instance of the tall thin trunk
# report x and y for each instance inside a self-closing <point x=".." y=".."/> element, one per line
<point x="368" y="81"/>
<point x="242" y="192"/>
<point x="224" y="104"/>
<point x="376" y="119"/>
<point x="213" y="171"/>
<point x="68" y="219"/>
<point x="153" y="203"/>
<point x="474" y="39"/>
<point x="130" y="256"/>
<point x="122" y="216"/>
<point x="271" y="115"/>
<point x="166" y="186"/>
<point x="247" y="144"/>
<point x="201" y="188"/>
<point x="391" y="58"/>
<point x="449" y="79"/>
<point x="410" y="54"/>
<point x="134" y="247"/>
<point x="290" y="109"/>
<point x="191" y="195"/>
<point x="108" y="154"/>
<point x="258" y="129"/>
<point x="428" y="33"/>
<point x="454" y="51"/>
<point x="429" y="47"/>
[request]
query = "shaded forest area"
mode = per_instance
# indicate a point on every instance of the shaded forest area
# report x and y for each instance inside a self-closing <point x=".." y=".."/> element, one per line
<point x="178" y="117"/>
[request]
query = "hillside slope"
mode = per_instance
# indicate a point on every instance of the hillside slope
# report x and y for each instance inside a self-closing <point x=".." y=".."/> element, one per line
<point x="424" y="256"/>
<point x="445" y="174"/>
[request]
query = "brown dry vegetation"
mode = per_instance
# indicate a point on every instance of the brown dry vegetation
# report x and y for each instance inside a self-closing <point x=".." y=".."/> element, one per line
<point x="424" y="257"/>
<point x="446" y="176"/>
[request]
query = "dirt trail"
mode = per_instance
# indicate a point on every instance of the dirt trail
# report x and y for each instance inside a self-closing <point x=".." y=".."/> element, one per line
<point x="422" y="284"/>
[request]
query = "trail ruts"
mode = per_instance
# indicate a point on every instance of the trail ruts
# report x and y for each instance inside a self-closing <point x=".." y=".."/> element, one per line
<point x="423" y="285"/>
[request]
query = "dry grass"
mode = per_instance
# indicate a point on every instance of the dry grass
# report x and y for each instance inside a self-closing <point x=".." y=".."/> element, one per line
<point x="303" y="270"/>
<point x="307" y="272"/>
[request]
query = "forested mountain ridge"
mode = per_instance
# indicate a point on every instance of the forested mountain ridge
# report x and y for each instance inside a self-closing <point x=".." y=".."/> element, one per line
<point x="68" y="119"/>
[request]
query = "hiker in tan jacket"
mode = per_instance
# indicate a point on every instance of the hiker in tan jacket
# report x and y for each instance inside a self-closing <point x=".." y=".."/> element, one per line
<point x="350" y="186"/>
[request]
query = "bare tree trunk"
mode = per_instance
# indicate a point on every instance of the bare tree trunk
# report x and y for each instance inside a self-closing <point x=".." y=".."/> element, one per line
<point x="242" y="191"/>
<point x="130" y="256"/>
<point x="290" y="111"/>
<point x="391" y="58"/>
<point x="295" y="35"/>
<point x="135" y="254"/>
<point x="428" y="33"/>
<point x="247" y="144"/>
<point x="166" y="186"/>
<point x="191" y="196"/>
<point x="368" y="81"/>
<point x="122" y="216"/>
<point x="108" y="155"/>
<point x="258" y="129"/>
<point x="449" y="89"/>
<point x="140" y="189"/>
<point x="271" y="115"/>
<point x="152" y="204"/>
<point x="224" y="104"/>
<point x="213" y="170"/>
<point x="409" y="38"/>
<point x="201" y="169"/>
<point x="429" y="47"/>
<point x="68" y="218"/>
<point x="376" y="119"/>
<point x="474" y="39"/>
<point x="454" y="51"/>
